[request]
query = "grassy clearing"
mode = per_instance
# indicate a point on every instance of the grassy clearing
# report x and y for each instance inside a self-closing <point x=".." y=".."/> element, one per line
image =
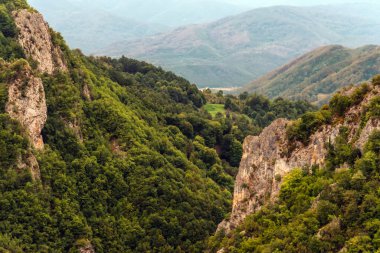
<point x="213" y="109"/>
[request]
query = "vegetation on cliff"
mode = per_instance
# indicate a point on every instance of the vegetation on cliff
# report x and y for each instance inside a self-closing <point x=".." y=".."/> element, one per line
<point x="329" y="208"/>
<point x="131" y="162"/>
<point x="334" y="208"/>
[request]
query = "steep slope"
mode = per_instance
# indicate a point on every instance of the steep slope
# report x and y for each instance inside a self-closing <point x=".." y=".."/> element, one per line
<point x="26" y="101"/>
<point x="107" y="155"/>
<point x="317" y="75"/>
<point x="98" y="154"/>
<point x="324" y="145"/>
<point x="34" y="37"/>
<point x="238" y="49"/>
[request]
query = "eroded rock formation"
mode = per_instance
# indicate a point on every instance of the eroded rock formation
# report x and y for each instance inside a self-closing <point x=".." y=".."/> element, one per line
<point x="35" y="38"/>
<point x="267" y="158"/>
<point x="26" y="95"/>
<point x="27" y="103"/>
<point x="29" y="162"/>
<point x="88" y="248"/>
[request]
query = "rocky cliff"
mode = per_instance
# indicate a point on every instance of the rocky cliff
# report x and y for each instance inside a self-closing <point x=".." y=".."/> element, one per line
<point x="26" y="95"/>
<point x="35" y="38"/>
<point x="269" y="156"/>
<point x="86" y="248"/>
<point x="27" y="103"/>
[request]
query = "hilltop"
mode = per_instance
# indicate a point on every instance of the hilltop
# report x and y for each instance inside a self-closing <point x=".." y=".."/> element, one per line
<point x="93" y="25"/>
<point x="317" y="75"/>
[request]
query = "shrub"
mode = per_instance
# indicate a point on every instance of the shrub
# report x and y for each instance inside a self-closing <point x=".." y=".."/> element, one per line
<point x="374" y="107"/>
<point x="339" y="104"/>
<point x="301" y="129"/>
<point x="376" y="80"/>
<point x="7" y="26"/>
<point x="359" y="93"/>
<point x="3" y="97"/>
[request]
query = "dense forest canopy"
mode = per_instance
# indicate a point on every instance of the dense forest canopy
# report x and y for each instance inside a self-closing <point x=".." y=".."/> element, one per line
<point x="132" y="162"/>
<point x="137" y="159"/>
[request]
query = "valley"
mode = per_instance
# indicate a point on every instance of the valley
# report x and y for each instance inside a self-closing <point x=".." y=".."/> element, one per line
<point x="102" y="154"/>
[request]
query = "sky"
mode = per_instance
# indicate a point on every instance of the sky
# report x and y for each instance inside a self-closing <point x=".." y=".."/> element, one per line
<point x="118" y="20"/>
<point x="262" y="3"/>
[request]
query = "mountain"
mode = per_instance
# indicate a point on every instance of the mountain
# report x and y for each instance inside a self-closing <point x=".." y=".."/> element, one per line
<point x="108" y="155"/>
<point x="90" y="27"/>
<point x="317" y="75"/>
<point x="92" y="157"/>
<point x="263" y="3"/>
<point x="310" y="185"/>
<point x="117" y="155"/>
<point x="235" y="50"/>
<point x="173" y="13"/>
<point x="93" y="25"/>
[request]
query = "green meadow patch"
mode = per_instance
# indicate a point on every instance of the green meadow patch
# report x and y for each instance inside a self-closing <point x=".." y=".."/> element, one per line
<point x="213" y="109"/>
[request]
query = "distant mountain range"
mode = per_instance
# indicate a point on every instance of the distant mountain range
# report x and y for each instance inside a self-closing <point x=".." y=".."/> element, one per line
<point x="94" y="24"/>
<point x="90" y="28"/>
<point x="235" y="50"/>
<point x="319" y="74"/>
<point x="171" y="13"/>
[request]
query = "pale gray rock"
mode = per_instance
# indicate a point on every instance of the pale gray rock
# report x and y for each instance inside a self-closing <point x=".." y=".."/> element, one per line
<point x="27" y="104"/>
<point x="35" y="38"/>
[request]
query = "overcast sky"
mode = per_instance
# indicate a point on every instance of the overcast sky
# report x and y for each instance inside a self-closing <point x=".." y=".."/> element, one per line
<point x="257" y="3"/>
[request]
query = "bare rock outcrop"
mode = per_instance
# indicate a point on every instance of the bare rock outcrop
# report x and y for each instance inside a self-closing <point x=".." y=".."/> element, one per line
<point x="87" y="249"/>
<point x="85" y="246"/>
<point x="29" y="162"/>
<point x="330" y="230"/>
<point x="371" y="126"/>
<point x="267" y="158"/>
<point x="27" y="103"/>
<point x="35" y="38"/>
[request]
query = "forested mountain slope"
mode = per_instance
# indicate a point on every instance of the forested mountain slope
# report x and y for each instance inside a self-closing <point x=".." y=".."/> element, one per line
<point x="317" y="75"/>
<point x="238" y="49"/>
<point x="105" y="155"/>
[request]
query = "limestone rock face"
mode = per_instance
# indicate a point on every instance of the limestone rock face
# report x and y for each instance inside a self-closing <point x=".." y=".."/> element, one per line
<point x="371" y="126"/>
<point x="35" y="39"/>
<point x="87" y="249"/>
<point x="29" y="162"/>
<point x="27" y="104"/>
<point x="267" y="158"/>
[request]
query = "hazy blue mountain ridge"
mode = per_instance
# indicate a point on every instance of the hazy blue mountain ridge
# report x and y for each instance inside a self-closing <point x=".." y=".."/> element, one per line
<point x="237" y="49"/>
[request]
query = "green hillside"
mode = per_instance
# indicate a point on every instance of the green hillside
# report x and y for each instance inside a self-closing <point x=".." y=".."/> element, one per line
<point x="131" y="163"/>
<point x="319" y="74"/>
<point x="117" y="155"/>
